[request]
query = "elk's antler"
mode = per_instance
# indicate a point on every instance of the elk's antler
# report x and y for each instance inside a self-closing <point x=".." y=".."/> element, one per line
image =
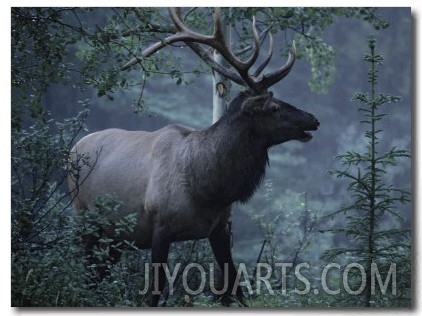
<point x="241" y="76"/>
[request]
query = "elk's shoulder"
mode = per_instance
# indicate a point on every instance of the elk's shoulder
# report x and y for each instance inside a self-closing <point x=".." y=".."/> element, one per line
<point x="177" y="129"/>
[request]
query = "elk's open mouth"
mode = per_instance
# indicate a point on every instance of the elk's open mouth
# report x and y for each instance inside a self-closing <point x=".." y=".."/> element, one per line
<point x="304" y="136"/>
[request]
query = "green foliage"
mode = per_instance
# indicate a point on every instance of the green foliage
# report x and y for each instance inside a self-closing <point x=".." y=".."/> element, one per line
<point x="39" y="157"/>
<point x="40" y="150"/>
<point x="40" y="145"/>
<point x="291" y="216"/>
<point x="58" y="273"/>
<point x="45" y="268"/>
<point x="54" y="276"/>
<point x="374" y="199"/>
<point x="39" y="38"/>
<point x="306" y="25"/>
<point x="130" y="30"/>
<point x="288" y="224"/>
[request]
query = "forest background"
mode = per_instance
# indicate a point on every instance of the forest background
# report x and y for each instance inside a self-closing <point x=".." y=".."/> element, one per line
<point x="289" y="209"/>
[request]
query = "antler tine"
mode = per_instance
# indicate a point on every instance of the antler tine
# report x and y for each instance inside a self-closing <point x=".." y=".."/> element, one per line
<point x="272" y="78"/>
<point x="200" y="51"/>
<point x="218" y="27"/>
<point x="215" y="41"/>
<point x="175" y="14"/>
<point x="256" y="46"/>
<point x="218" y="42"/>
<point x="208" y="58"/>
<point x="185" y="33"/>
<point x="221" y="46"/>
<point x="267" y="59"/>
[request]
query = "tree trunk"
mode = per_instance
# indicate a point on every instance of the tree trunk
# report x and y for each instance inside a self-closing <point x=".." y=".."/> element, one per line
<point x="221" y="86"/>
<point x="221" y="91"/>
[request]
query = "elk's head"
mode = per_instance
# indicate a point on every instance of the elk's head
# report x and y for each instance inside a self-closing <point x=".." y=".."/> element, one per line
<point x="273" y="120"/>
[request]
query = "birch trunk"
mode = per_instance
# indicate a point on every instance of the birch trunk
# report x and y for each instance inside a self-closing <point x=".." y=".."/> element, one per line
<point x="221" y="86"/>
<point x="221" y="94"/>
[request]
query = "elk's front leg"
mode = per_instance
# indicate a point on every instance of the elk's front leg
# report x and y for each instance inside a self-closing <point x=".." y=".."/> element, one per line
<point x="160" y="249"/>
<point x="220" y="240"/>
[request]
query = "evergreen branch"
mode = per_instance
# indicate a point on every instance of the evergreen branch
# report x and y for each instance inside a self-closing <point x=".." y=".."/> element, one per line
<point x="335" y="252"/>
<point x="390" y="232"/>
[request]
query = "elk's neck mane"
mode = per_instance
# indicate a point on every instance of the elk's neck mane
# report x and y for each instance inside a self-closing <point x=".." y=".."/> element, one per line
<point x="227" y="160"/>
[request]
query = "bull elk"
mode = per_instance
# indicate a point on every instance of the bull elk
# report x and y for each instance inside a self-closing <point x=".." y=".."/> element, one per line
<point x="180" y="181"/>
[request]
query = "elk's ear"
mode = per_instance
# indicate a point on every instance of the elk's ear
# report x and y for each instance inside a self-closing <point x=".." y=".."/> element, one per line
<point x="255" y="104"/>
